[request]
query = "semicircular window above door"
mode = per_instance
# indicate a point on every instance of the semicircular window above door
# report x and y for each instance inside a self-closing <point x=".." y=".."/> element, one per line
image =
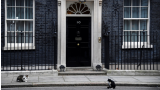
<point x="78" y="8"/>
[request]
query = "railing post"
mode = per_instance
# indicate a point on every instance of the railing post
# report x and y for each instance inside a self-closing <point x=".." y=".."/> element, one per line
<point x="142" y="48"/>
<point x="55" y="49"/>
<point x="107" y="50"/>
<point x="21" y="50"/>
<point x="55" y="43"/>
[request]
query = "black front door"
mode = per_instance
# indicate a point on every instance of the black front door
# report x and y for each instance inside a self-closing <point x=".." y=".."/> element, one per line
<point x="78" y="41"/>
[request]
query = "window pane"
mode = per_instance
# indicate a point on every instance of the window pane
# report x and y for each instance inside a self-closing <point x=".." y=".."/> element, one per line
<point x="127" y="2"/>
<point x="135" y="12"/>
<point x="29" y="37"/>
<point x="29" y="13"/>
<point x="19" y="2"/>
<point x="131" y="36"/>
<point x="10" y="12"/>
<point x="20" y="26"/>
<point x="10" y="26"/>
<point x="144" y="36"/>
<point x="126" y="25"/>
<point x="144" y="2"/>
<point x="10" y="37"/>
<point x="28" y="26"/>
<point x="29" y="3"/>
<point x="127" y="36"/>
<point x="134" y="36"/>
<point x="127" y="12"/>
<point x="143" y="24"/>
<point x="144" y="12"/>
<point x="19" y="13"/>
<point x="135" y="25"/>
<point x="10" y="2"/>
<point x="136" y="2"/>
<point x="20" y="37"/>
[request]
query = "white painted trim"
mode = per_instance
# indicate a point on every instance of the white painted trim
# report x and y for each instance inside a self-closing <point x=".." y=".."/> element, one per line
<point x="5" y="33"/>
<point x="21" y="19"/>
<point x="78" y="15"/>
<point x="63" y="33"/>
<point x="78" y="0"/>
<point x="96" y="19"/>
<point x="18" y="45"/>
<point x="59" y="36"/>
<point x="135" y="45"/>
<point x="34" y="23"/>
<point x="19" y="48"/>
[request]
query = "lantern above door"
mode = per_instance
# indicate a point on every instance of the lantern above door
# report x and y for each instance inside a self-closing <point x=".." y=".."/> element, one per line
<point x="82" y="1"/>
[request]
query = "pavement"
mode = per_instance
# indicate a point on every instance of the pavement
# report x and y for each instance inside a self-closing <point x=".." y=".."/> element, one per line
<point x="79" y="80"/>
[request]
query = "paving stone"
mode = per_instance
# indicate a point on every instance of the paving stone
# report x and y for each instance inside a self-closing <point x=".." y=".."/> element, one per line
<point x="51" y="79"/>
<point x="148" y="79"/>
<point x="6" y="80"/>
<point x="97" y="78"/>
<point x="123" y="79"/>
<point x="75" y="78"/>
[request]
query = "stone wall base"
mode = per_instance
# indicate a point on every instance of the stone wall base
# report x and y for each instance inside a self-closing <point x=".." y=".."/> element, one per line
<point x="31" y="73"/>
<point x="132" y="72"/>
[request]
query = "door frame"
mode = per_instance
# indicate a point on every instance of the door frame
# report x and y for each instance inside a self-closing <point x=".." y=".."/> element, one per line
<point x="96" y="18"/>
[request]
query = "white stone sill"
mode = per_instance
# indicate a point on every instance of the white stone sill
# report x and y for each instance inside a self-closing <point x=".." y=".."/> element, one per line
<point x="148" y="46"/>
<point x="19" y="48"/>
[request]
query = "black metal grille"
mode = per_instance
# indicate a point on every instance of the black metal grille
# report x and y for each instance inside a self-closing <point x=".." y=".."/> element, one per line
<point x="121" y="54"/>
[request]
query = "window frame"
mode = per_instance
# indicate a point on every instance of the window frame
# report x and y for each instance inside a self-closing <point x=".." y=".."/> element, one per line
<point x="130" y="44"/>
<point x="19" y="46"/>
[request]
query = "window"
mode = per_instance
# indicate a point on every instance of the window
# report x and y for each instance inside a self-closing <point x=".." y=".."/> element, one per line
<point x="136" y="21"/>
<point x="19" y="28"/>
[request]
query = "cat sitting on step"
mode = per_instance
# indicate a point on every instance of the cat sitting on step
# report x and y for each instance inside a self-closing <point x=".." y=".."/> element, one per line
<point x="22" y="78"/>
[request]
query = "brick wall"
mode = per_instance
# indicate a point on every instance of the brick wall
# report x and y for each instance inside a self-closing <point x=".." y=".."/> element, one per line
<point x="45" y="25"/>
<point x="155" y="22"/>
<point x="112" y="18"/>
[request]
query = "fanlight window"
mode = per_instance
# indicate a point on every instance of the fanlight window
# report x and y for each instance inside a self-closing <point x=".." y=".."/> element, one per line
<point x="78" y="8"/>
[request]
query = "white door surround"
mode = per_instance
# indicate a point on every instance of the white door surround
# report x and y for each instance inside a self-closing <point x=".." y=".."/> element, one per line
<point x="96" y="18"/>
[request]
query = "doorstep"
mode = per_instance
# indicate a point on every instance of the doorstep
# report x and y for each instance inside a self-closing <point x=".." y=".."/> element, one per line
<point x="81" y="71"/>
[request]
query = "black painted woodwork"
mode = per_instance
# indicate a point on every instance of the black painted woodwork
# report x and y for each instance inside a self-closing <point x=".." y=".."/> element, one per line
<point x="78" y="32"/>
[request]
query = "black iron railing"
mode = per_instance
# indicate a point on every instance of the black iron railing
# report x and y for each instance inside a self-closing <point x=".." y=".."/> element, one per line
<point x="35" y="54"/>
<point x="132" y="51"/>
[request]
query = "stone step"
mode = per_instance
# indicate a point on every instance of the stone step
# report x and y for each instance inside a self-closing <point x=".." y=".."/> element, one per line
<point x="82" y="73"/>
<point x="79" y="69"/>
